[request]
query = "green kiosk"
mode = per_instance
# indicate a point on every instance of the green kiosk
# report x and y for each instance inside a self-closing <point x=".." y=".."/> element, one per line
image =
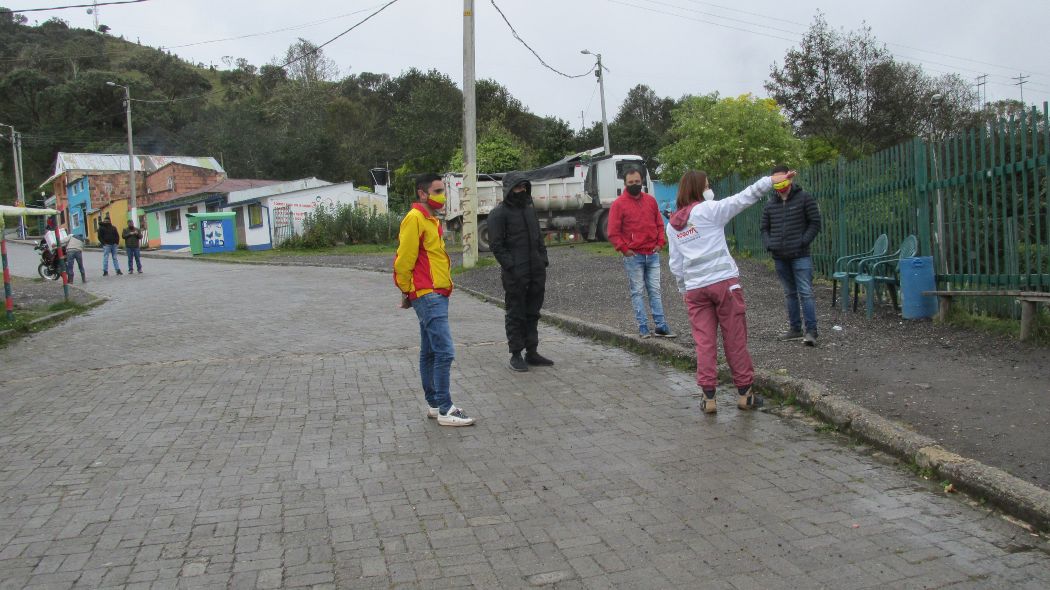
<point x="212" y="232"/>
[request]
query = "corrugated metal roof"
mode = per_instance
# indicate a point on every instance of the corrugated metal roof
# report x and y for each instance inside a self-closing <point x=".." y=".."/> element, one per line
<point x="277" y="189"/>
<point x="66" y="162"/>
<point x="224" y="187"/>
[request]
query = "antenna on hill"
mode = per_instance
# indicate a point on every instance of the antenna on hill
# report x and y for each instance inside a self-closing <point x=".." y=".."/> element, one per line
<point x="94" y="12"/>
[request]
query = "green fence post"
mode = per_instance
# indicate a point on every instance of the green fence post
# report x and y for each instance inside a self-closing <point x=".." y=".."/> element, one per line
<point x="841" y="222"/>
<point x="922" y="197"/>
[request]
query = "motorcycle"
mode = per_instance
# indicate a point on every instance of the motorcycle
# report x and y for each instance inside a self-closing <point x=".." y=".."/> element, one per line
<point x="49" y="263"/>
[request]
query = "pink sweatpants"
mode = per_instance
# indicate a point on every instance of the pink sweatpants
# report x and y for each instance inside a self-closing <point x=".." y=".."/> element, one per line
<point x="721" y="304"/>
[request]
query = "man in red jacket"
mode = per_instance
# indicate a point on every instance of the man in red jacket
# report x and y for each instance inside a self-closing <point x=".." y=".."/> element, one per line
<point x="636" y="230"/>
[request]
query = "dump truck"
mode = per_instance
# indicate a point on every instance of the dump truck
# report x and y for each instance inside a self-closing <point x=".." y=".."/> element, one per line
<point x="573" y="194"/>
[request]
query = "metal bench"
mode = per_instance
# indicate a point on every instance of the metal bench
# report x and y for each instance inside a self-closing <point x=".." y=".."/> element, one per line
<point x="1028" y="300"/>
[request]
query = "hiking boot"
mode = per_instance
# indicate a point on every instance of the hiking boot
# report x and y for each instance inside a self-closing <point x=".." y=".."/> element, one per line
<point x="707" y="403"/>
<point x="455" y="417"/>
<point x="665" y="332"/>
<point x="644" y="334"/>
<point x="537" y="360"/>
<point x="131" y="272"/>
<point x="119" y="273"/>
<point x="105" y="274"/>
<point x="748" y="400"/>
<point x="517" y="363"/>
<point x="810" y="339"/>
<point x="790" y="335"/>
<point x="433" y="412"/>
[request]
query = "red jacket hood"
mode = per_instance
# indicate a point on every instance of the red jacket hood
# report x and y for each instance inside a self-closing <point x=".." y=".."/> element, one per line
<point x="681" y="217"/>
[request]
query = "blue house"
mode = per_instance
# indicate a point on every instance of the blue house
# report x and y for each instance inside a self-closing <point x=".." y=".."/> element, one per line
<point x="78" y="195"/>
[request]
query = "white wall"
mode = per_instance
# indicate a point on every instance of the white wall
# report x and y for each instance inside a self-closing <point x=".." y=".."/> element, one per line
<point x="300" y="203"/>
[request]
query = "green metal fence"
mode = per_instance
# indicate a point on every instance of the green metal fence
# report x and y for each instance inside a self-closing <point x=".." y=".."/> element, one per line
<point x="976" y="199"/>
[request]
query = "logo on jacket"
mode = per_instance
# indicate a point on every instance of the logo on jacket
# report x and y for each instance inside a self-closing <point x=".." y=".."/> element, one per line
<point x="689" y="234"/>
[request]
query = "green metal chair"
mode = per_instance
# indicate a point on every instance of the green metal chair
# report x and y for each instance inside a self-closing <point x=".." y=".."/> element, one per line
<point x="847" y="267"/>
<point x="888" y="266"/>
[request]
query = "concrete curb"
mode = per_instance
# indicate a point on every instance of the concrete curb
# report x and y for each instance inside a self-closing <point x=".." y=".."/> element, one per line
<point x="53" y="317"/>
<point x="1011" y="494"/>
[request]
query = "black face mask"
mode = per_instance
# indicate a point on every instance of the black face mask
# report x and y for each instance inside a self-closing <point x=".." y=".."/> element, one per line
<point x="634" y="189"/>
<point x="518" y="199"/>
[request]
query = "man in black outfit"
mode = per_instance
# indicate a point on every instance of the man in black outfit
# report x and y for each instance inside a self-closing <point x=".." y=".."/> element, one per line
<point x="790" y="223"/>
<point x="516" y="241"/>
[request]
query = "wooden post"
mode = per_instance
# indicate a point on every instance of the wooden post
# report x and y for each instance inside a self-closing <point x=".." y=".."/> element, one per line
<point x="944" y="306"/>
<point x="1027" y="319"/>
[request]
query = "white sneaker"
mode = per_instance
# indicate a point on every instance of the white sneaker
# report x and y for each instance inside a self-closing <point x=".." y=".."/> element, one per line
<point x="455" y="417"/>
<point x="432" y="412"/>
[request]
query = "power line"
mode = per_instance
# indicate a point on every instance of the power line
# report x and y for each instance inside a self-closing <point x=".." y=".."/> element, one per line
<point x="282" y="66"/>
<point x="357" y="24"/>
<point x="533" y="51"/>
<point x="93" y="4"/>
<point x="699" y="20"/>
<point x="718" y="24"/>
<point x="128" y="49"/>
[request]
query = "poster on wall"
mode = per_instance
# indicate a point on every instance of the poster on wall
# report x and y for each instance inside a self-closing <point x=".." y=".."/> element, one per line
<point x="213" y="236"/>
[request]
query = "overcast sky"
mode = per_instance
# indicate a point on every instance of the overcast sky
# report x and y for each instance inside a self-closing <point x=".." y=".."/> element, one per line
<point x="675" y="46"/>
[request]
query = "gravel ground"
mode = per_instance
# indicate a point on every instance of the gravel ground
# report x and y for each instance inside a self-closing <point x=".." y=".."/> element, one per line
<point x="948" y="383"/>
<point x="981" y="395"/>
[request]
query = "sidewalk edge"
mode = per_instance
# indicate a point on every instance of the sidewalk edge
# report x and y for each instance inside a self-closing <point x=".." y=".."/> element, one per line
<point x="1009" y="493"/>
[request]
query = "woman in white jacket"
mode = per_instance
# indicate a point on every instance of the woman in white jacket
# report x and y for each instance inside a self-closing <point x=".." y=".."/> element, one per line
<point x="708" y="277"/>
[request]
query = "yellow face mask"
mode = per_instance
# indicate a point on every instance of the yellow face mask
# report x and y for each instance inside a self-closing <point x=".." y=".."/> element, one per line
<point x="781" y="186"/>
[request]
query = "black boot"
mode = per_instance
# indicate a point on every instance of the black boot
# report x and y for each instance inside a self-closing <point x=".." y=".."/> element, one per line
<point x="517" y="363"/>
<point x="537" y="360"/>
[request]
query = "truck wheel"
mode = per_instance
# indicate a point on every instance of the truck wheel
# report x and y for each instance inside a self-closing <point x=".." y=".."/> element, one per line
<point x="603" y="227"/>
<point x="483" y="235"/>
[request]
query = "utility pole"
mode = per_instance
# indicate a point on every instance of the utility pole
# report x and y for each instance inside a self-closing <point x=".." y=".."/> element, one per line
<point x="20" y="189"/>
<point x="132" y="208"/>
<point x="16" y="151"/>
<point x="982" y="90"/>
<point x="469" y="196"/>
<point x="1021" y="81"/>
<point x="601" y="88"/>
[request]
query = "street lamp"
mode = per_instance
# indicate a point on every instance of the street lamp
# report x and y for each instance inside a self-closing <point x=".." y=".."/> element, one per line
<point x="601" y="86"/>
<point x="935" y="102"/>
<point x="131" y="154"/>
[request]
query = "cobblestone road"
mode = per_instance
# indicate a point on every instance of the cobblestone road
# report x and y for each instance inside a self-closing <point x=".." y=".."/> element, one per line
<point x="220" y="426"/>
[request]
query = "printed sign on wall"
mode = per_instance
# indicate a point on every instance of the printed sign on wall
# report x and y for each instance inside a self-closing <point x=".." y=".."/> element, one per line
<point x="213" y="236"/>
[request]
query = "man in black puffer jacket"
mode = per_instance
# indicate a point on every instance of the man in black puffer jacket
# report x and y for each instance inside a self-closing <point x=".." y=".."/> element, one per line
<point x="790" y="222"/>
<point x="517" y="243"/>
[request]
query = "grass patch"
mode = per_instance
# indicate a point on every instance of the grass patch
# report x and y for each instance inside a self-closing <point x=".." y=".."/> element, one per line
<point x="1004" y="326"/>
<point x="23" y="318"/>
<point x="279" y="253"/>
<point x="596" y="248"/>
<point x="484" y="262"/>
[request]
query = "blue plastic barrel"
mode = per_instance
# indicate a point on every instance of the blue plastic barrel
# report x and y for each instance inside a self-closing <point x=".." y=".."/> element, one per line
<point x="917" y="276"/>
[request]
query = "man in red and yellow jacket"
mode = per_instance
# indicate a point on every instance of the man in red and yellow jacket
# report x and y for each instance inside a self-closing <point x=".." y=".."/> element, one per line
<point x="636" y="230"/>
<point x="423" y="273"/>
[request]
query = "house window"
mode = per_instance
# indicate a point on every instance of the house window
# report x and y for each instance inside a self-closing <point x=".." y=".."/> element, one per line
<point x="171" y="183"/>
<point x="211" y="207"/>
<point x="173" y="220"/>
<point x="192" y="209"/>
<point x="255" y="215"/>
<point x="76" y="220"/>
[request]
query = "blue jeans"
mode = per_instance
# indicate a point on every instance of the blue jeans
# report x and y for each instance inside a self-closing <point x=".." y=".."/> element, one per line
<point x="796" y="277"/>
<point x="435" y="349"/>
<point x="643" y="274"/>
<point x="74" y="256"/>
<point x="133" y="255"/>
<point x="109" y="250"/>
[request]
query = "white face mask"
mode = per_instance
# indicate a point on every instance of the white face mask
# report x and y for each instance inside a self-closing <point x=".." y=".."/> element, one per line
<point x="709" y="195"/>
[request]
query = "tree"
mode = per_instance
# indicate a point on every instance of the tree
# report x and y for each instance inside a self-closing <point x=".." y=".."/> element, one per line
<point x="10" y="18"/>
<point x="309" y="64"/>
<point x="722" y="136"/>
<point x="498" y="151"/>
<point x="847" y="90"/>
